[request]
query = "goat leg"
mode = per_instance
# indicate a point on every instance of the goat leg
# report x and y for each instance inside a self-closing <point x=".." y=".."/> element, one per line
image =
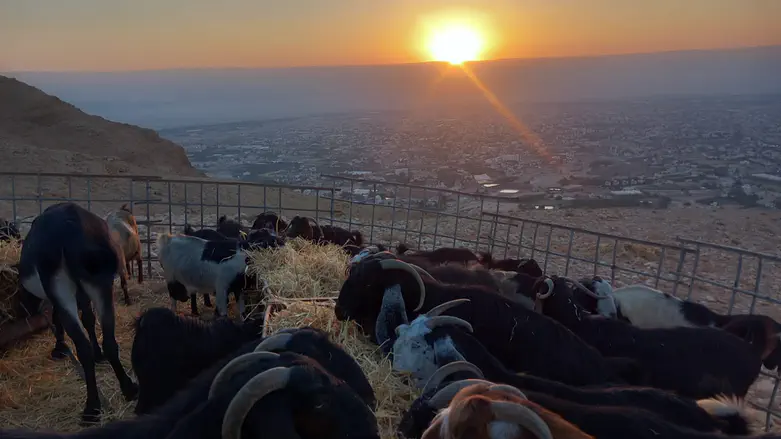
<point x="140" y="269"/>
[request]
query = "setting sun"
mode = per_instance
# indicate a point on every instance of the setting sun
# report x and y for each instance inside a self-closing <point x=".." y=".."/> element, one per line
<point x="455" y="44"/>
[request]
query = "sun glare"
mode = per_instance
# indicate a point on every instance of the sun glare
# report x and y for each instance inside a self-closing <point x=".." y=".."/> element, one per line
<point x="455" y="44"/>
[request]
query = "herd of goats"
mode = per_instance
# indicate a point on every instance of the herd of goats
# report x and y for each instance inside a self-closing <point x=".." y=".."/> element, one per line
<point x="500" y="349"/>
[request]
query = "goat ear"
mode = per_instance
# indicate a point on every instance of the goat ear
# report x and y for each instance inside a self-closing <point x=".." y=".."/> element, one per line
<point x="392" y="314"/>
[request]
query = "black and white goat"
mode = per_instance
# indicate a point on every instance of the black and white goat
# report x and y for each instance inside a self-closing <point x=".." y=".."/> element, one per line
<point x="431" y="343"/>
<point x="169" y="350"/>
<point x="694" y="362"/>
<point x="270" y="220"/>
<point x="9" y="231"/>
<point x="70" y="260"/>
<point x="519" y="337"/>
<point x="258" y="395"/>
<point x="193" y="264"/>
<point x="597" y="421"/>
<point x="649" y="308"/>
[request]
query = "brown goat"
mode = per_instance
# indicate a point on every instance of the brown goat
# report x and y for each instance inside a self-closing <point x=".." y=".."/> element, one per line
<point x="124" y="231"/>
<point x="490" y="411"/>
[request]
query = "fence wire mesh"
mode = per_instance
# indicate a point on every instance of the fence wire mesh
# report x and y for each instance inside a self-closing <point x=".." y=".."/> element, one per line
<point x="728" y="280"/>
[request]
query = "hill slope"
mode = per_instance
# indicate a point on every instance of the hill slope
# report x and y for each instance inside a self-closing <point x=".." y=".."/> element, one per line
<point x="41" y="133"/>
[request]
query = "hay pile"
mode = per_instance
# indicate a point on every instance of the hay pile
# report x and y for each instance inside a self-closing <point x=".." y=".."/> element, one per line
<point x="394" y="396"/>
<point x="9" y="256"/>
<point x="300" y="269"/>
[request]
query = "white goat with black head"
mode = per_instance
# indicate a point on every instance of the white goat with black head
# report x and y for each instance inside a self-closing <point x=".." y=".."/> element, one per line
<point x="70" y="260"/>
<point x="193" y="264"/>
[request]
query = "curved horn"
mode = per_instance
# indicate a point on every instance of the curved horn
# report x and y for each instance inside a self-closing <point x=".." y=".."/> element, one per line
<point x="437" y="321"/>
<point x="584" y="288"/>
<point x="509" y="389"/>
<point x="423" y="272"/>
<point x="449" y="369"/>
<point x="274" y="342"/>
<point x="388" y="264"/>
<point x="235" y="365"/>
<point x="549" y="283"/>
<point x="442" y="307"/>
<point x="442" y="398"/>
<point x="523" y="416"/>
<point x="253" y="391"/>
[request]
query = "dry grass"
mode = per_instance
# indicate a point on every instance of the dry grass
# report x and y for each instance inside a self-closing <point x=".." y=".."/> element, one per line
<point x="41" y="394"/>
<point x="301" y="269"/>
<point x="9" y="276"/>
<point x="394" y="396"/>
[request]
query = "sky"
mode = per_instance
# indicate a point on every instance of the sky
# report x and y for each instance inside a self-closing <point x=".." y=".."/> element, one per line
<point x="121" y="35"/>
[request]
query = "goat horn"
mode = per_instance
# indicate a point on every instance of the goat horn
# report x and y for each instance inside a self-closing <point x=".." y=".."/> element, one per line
<point x="253" y="391"/>
<point x="442" y="307"/>
<point x="549" y="283"/>
<point x="274" y="342"/>
<point x="509" y="389"/>
<point x="584" y="288"/>
<point x="388" y="264"/>
<point x="437" y="321"/>
<point x="442" y="398"/>
<point x="523" y="416"/>
<point x="423" y="272"/>
<point x="238" y="363"/>
<point x="449" y="369"/>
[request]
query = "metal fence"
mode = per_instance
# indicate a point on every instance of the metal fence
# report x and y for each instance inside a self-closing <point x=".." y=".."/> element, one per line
<point x="727" y="279"/>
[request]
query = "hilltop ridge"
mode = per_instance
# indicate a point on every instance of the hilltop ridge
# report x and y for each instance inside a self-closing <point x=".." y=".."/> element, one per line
<point x="41" y="133"/>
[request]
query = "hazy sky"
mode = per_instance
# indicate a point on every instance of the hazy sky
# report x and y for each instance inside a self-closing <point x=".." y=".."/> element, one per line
<point x="154" y="34"/>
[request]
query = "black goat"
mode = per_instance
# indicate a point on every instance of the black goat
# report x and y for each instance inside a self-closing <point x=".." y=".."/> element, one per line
<point x="231" y="228"/>
<point x="186" y="346"/>
<point x="429" y="343"/>
<point x="443" y="255"/>
<point x="260" y="395"/>
<point x="70" y="260"/>
<point x="304" y="227"/>
<point x="209" y="234"/>
<point x="519" y="337"/>
<point x="694" y="362"/>
<point x="600" y="421"/>
<point x="528" y="266"/>
<point x="270" y="220"/>
<point x="169" y="350"/>
<point x="9" y="231"/>
<point x="309" y="229"/>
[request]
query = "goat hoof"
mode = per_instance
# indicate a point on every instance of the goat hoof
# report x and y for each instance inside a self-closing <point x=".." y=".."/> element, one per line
<point x="60" y="352"/>
<point x="90" y="417"/>
<point x="99" y="357"/>
<point x="130" y="391"/>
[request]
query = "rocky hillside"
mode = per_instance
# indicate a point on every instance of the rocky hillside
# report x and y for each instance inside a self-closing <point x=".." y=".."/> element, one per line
<point x="41" y="133"/>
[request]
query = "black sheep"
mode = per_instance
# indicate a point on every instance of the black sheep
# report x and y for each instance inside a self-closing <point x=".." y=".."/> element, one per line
<point x="519" y="337"/>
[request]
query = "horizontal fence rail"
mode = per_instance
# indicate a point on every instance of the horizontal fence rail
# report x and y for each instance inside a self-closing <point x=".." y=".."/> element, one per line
<point x="729" y="280"/>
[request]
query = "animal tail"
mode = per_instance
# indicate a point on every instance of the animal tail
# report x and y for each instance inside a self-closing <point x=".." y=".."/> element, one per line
<point x="163" y="240"/>
<point x="735" y="417"/>
<point x="188" y="229"/>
